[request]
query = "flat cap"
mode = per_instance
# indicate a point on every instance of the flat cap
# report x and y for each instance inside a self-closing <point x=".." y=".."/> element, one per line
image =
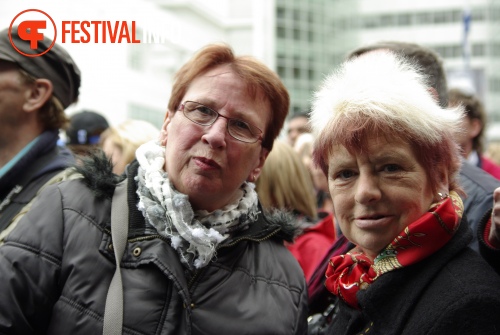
<point x="56" y="65"/>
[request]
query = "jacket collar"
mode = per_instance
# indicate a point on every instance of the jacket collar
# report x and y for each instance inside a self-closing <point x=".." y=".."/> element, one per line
<point x="98" y="176"/>
<point x="41" y="158"/>
<point x="411" y="281"/>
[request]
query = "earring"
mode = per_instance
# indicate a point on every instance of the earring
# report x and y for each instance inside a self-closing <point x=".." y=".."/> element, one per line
<point x="442" y="196"/>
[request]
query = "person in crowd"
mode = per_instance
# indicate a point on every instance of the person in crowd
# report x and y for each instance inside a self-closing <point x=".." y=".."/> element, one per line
<point x="478" y="185"/>
<point x="297" y="124"/>
<point x="304" y="147"/>
<point x="34" y="92"/>
<point x="84" y="132"/>
<point x="196" y="254"/>
<point x="471" y="140"/>
<point x="392" y="162"/>
<point x="120" y="142"/>
<point x="286" y="184"/>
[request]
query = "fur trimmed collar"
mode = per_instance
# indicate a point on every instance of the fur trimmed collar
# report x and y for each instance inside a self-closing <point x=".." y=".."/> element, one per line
<point x="98" y="175"/>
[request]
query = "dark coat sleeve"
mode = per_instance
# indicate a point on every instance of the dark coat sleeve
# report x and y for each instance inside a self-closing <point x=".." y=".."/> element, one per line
<point x="490" y="254"/>
<point x="30" y="265"/>
<point x="479" y="187"/>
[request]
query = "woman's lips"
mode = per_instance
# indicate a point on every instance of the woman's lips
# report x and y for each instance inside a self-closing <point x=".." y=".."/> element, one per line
<point x="372" y="221"/>
<point x="206" y="163"/>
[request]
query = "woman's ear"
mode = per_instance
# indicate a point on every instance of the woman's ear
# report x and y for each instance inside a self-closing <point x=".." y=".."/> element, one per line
<point x="164" y="128"/>
<point x="443" y="186"/>
<point x="37" y="94"/>
<point x="255" y="173"/>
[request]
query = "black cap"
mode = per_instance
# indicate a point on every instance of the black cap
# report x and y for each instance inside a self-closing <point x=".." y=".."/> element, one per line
<point x="56" y="65"/>
<point x="85" y="128"/>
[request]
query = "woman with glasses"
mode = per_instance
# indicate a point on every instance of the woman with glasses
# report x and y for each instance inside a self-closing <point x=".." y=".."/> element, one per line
<point x="195" y="253"/>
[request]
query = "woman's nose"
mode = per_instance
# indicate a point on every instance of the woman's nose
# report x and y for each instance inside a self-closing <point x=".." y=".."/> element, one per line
<point x="215" y="135"/>
<point x="367" y="189"/>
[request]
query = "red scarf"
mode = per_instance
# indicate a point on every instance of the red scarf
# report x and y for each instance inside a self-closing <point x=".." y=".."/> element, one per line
<point x="347" y="274"/>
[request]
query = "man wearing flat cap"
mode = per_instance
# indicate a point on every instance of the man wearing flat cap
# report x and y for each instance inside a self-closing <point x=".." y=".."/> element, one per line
<point x="34" y="91"/>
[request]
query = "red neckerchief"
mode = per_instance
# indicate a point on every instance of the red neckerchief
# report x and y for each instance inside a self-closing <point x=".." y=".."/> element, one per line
<point x="347" y="274"/>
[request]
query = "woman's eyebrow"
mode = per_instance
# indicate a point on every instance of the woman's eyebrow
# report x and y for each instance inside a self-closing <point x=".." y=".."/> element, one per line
<point x="394" y="154"/>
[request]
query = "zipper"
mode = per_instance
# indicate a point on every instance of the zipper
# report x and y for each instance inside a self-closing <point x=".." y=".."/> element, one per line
<point x="141" y="238"/>
<point x="198" y="272"/>
<point x="249" y="239"/>
<point x="149" y="237"/>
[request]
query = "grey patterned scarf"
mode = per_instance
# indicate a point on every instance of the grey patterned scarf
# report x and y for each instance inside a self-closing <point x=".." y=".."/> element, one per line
<point x="194" y="234"/>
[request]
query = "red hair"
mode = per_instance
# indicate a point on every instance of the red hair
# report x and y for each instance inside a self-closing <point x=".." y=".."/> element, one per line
<point x="354" y="132"/>
<point x="258" y="77"/>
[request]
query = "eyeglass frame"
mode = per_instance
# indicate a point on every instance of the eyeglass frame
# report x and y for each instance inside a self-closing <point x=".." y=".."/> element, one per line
<point x="183" y="110"/>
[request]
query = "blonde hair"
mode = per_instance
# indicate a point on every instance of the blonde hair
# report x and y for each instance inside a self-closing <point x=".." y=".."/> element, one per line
<point x="285" y="182"/>
<point x="493" y="152"/>
<point x="382" y="93"/>
<point x="128" y="136"/>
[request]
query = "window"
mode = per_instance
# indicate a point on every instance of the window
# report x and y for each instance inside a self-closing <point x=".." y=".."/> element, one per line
<point x="296" y="15"/>
<point x="310" y="17"/>
<point x="296" y="34"/>
<point x="439" y="17"/>
<point x="280" y="12"/>
<point x="387" y="20"/>
<point x="423" y="18"/>
<point x="404" y="19"/>
<point x="310" y="36"/>
<point x="371" y="22"/>
<point x="478" y="50"/>
<point x="280" y="32"/>
<point x="457" y="16"/>
<point x="494" y="84"/>
<point x="296" y="73"/>
<point x="457" y="50"/>
<point x="495" y="49"/>
<point x="282" y="71"/>
<point x="310" y="74"/>
<point x="495" y="14"/>
<point x="478" y="14"/>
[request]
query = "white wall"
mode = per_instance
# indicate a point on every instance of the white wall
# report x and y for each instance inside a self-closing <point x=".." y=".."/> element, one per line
<point x="109" y="84"/>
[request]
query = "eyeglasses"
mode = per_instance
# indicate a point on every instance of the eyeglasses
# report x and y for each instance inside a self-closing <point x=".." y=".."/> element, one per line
<point x="205" y="116"/>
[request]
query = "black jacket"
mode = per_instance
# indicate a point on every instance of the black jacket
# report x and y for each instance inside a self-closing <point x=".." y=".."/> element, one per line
<point x="452" y="292"/>
<point x="23" y="180"/>
<point x="479" y="187"/>
<point x="491" y="255"/>
<point x="56" y="267"/>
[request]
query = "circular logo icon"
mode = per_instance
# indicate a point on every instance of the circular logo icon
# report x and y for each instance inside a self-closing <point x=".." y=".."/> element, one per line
<point x="31" y="29"/>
